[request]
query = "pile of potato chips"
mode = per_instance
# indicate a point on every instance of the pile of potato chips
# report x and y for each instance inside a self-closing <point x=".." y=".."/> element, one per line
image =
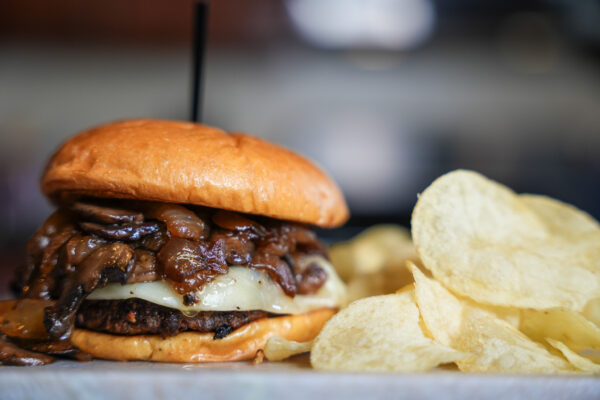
<point x="374" y="262"/>
<point x="499" y="282"/>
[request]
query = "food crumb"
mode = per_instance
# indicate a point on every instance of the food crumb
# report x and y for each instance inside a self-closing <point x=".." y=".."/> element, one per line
<point x="259" y="357"/>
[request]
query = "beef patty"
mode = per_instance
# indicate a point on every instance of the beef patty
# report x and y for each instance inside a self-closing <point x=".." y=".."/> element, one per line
<point x="137" y="317"/>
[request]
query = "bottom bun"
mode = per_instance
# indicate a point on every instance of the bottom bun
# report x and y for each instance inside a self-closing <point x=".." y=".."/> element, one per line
<point x="241" y="344"/>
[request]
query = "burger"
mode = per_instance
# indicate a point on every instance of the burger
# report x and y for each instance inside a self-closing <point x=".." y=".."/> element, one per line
<point x="179" y="242"/>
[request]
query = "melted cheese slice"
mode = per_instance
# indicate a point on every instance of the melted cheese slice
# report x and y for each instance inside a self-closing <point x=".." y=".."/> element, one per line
<point x="241" y="288"/>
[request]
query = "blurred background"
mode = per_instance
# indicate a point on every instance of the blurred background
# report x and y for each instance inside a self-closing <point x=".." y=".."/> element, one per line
<point x="384" y="94"/>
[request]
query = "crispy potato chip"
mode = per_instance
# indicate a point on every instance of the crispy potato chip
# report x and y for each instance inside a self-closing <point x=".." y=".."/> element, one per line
<point x="566" y="326"/>
<point x="561" y="218"/>
<point x="592" y="311"/>
<point x="278" y="348"/>
<point x="494" y="344"/>
<point x="342" y="257"/>
<point x="510" y="315"/>
<point x="483" y="241"/>
<point x="382" y="245"/>
<point x="441" y="311"/>
<point x="380" y="333"/>
<point x="501" y="348"/>
<point x="372" y="250"/>
<point x="374" y="262"/>
<point x="385" y="281"/>
<point x="407" y="288"/>
<point x="579" y="362"/>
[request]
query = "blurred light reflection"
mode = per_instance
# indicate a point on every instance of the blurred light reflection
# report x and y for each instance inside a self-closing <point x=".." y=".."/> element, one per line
<point x="379" y="24"/>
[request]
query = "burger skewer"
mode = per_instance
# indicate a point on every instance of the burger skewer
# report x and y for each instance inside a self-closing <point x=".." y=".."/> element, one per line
<point x="199" y="48"/>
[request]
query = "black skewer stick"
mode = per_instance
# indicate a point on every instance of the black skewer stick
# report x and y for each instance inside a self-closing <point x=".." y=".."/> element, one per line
<point x="199" y="47"/>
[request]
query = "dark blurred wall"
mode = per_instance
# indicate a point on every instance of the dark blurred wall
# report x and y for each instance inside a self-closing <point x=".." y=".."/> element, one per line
<point x="148" y="23"/>
<point x="507" y="88"/>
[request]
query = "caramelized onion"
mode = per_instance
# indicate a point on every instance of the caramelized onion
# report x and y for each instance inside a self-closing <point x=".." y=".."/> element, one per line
<point x="188" y="264"/>
<point x="311" y="279"/>
<point x="144" y="267"/>
<point x="24" y="318"/>
<point x="277" y="269"/>
<point x="239" y="249"/>
<point x="180" y="221"/>
<point x="300" y="234"/>
<point x="237" y="222"/>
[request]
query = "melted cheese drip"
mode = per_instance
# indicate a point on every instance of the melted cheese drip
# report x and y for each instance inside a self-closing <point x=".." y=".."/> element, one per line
<point x="241" y="288"/>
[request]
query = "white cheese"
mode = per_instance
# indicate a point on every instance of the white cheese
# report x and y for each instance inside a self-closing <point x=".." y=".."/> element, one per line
<point x="241" y="288"/>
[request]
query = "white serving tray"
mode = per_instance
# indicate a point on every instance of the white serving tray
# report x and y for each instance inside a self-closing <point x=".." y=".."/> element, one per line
<point x="288" y="380"/>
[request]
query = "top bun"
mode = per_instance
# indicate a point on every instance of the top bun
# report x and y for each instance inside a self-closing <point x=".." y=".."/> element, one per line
<point x="180" y="162"/>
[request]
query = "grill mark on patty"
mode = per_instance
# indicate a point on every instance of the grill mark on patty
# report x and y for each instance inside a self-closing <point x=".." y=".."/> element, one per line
<point x="136" y="317"/>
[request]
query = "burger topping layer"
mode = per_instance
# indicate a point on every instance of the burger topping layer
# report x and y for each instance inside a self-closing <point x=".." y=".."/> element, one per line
<point x="83" y="247"/>
<point x="241" y="288"/>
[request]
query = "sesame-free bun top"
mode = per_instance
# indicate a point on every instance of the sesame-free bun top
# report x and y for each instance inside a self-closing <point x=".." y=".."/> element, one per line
<point x="180" y="162"/>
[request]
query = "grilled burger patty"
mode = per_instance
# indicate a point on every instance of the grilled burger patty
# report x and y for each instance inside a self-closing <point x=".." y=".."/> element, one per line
<point x="136" y="317"/>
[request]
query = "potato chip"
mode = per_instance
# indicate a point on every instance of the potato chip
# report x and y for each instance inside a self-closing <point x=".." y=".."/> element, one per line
<point x="561" y="218"/>
<point x="579" y="362"/>
<point x="382" y="245"/>
<point x="278" y="348"/>
<point x="592" y="311"/>
<point x="566" y="326"/>
<point x="385" y="281"/>
<point x="372" y="250"/>
<point x="407" y="288"/>
<point x="510" y="315"/>
<point x="380" y="333"/>
<point x="494" y="345"/>
<point x="483" y="241"/>
<point x="373" y="263"/>
<point x="342" y="257"/>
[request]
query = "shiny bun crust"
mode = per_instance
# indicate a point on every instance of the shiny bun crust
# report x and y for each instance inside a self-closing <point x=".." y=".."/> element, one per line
<point x="180" y="162"/>
<point x="189" y="347"/>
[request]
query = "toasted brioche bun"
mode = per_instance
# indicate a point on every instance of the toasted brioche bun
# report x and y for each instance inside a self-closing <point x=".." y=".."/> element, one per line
<point x="179" y="162"/>
<point x="241" y="344"/>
